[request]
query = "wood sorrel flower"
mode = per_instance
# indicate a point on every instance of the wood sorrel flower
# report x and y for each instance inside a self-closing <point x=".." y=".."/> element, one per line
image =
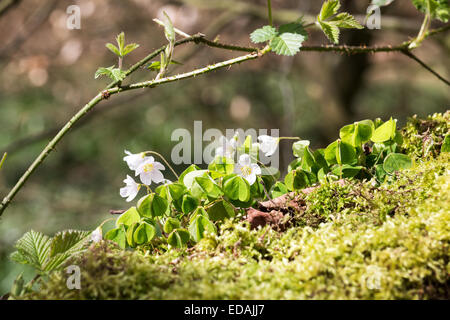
<point x="131" y="189"/>
<point x="150" y="171"/>
<point x="134" y="160"/>
<point x="227" y="148"/>
<point x="268" y="144"/>
<point x="246" y="169"/>
<point x="96" y="235"/>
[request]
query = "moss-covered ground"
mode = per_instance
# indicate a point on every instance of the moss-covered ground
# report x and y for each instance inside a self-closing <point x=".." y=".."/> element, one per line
<point x="354" y="241"/>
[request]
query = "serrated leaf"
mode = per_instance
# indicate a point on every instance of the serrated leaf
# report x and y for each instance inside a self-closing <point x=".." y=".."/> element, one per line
<point x="263" y="34"/>
<point x="329" y="8"/>
<point x="33" y="249"/>
<point x="113" y="73"/>
<point x="346" y="20"/>
<point x="130" y="48"/>
<point x="113" y="49"/>
<point x="121" y="42"/>
<point x="287" y="44"/>
<point x="330" y="30"/>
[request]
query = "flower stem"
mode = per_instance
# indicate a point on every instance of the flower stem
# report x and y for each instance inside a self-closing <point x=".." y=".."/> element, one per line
<point x="165" y="161"/>
<point x="269" y="11"/>
<point x="3" y="160"/>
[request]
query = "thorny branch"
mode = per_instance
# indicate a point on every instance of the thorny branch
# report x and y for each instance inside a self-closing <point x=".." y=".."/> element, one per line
<point x="115" y="87"/>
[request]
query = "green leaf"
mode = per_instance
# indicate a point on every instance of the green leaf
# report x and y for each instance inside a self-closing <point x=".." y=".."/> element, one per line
<point x="121" y="42"/>
<point x="287" y="44"/>
<point x="199" y="226"/>
<point x="346" y="171"/>
<point x="144" y="233"/>
<point x="152" y="205"/>
<point x="347" y="21"/>
<point x="299" y="179"/>
<point x="278" y="190"/>
<point x="113" y="73"/>
<point x="118" y="235"/>
<point x="298" y="148"/>
<point x="263" y="34"/>
<point x="237" y="188"/>
<point x="396" y="161"/>
<point x="177" y="190"/>
<point x="130" y="234"/>
<point x="129" y="217"/>
<point x="221" y="166"/>
<point x="189" y="204"/>
<point x="189" y="178"/>
<point x="191" y="168"/>
<point x="178" y="238"/>
<point x="130" y="48"/>
<point x="356" y="134"/>
<point x="220" y="211"/>
<point x="385" y="132"/>
<point x="113" y="49"/>
<point x="64" y="245"/>
<point x="171" y="224"/>
<point x="331" y="30"/>
<point x="340" y="152"/>
<point x="169" y="30"/>
<point x="209" y="187"/>
<point x="33" y="249"/>
<point x="439" y="9"/>
<point x="446" y="144"/>
<point x="329" y="8"/>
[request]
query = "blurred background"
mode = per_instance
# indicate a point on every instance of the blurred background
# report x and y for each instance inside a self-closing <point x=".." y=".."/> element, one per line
<point x="47" y="74"/>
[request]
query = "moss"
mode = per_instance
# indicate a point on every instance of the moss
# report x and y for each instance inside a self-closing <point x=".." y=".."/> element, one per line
<point x="423" y="138"/>
<point x="390" y="242"/>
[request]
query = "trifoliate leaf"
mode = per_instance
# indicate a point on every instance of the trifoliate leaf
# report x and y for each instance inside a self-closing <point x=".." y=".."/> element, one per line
<point x="263" y="34"/>
<point x="396" y="161"/>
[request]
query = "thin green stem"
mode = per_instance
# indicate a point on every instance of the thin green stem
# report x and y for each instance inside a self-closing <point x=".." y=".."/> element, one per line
<point x="165" y="161"/>
<point x="3" y="159"/>
<point x="289" y="138"/>
<point x="269" y="11"/>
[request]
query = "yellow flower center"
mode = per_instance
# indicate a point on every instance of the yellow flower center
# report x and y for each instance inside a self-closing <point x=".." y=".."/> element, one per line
<point x="148" y="167"/>
<point x="246" y="170"/>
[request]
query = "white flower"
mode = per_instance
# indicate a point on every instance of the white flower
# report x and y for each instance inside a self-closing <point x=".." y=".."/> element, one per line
<point x="246" y="169"/>
<point x="268" y="144"/>
<point x="134" y="160"/>
<point x="227" y="148"/>
<point x="130" y="190"/>
<point x="96" y="235"/>
<point x="150" y="171"/>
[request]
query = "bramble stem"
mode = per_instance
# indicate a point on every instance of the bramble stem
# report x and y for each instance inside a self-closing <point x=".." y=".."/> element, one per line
<point x="115" y="86"/>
